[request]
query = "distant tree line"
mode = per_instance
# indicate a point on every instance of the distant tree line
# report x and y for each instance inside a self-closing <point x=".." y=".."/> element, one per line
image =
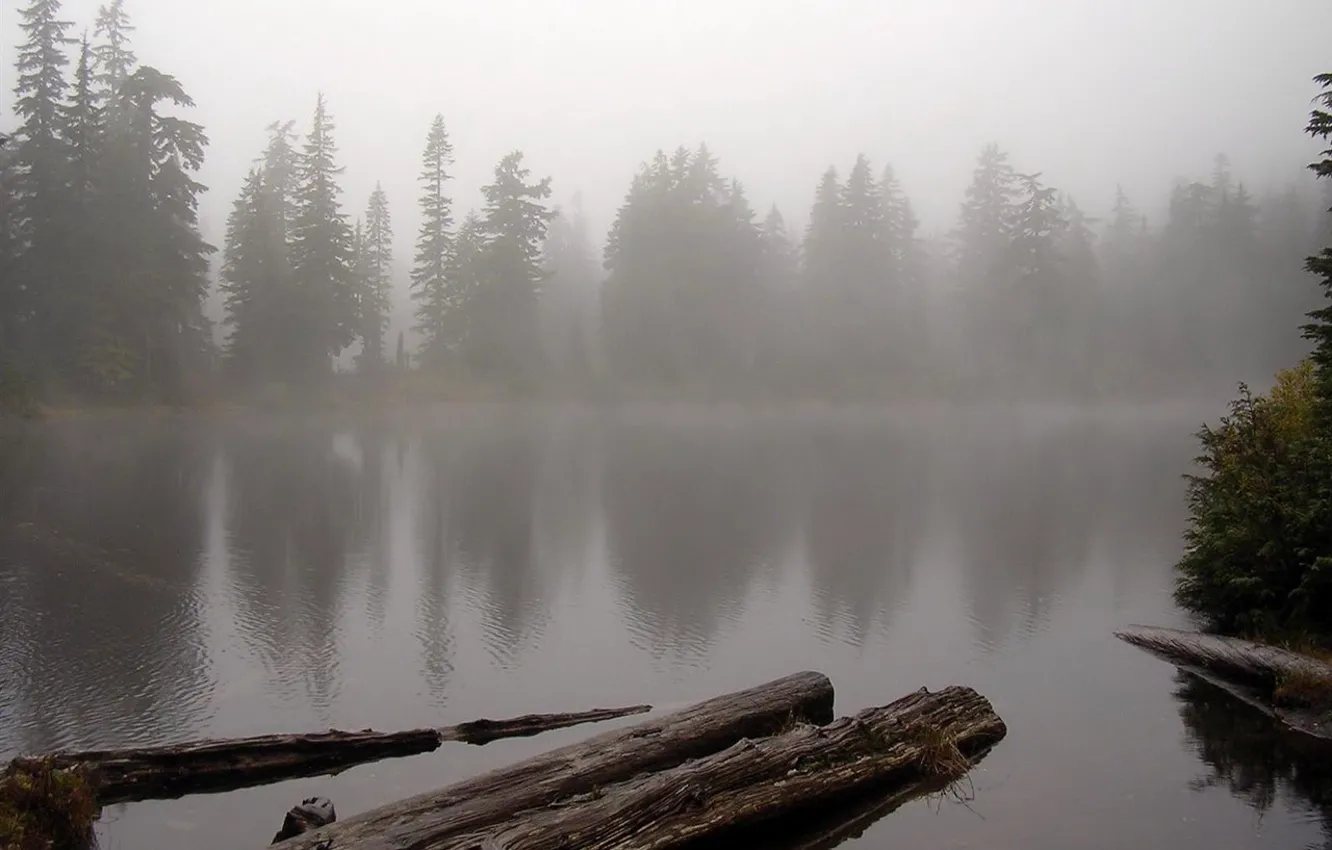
<point x="103" y="270"/>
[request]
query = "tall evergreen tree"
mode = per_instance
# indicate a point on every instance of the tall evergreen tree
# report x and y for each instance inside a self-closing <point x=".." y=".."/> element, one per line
<point x="115" y="59"/>
<point x="988" y="217"/>
<point x="41" y="168"/>
<point x="503" y="309"/>
<point x="1319" y="328"/>
<point x="430" y="284"/>
<point x="321" y="248"/>
<point x="375" y="279"/>
<point x="247" y="280"/>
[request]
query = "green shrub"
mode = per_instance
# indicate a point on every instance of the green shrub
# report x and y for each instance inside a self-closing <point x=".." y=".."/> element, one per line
<point x="43" y="808"/>
<point x="1259" y="553"/>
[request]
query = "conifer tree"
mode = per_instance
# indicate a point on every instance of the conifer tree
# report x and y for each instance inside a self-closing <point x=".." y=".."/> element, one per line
<point x="375" y="279"/>
<point x="1319" y="328"/>
<point x="503" y="309"/>
<point x="41" y="165"/>
<point x="115" y="59"/>
<point x="430" y="284"/>
<point x="988" y="217"/>
<point x="321" y="248"/>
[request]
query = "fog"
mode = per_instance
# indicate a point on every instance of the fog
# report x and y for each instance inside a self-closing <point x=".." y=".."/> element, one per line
<point x="1136" y="92"/>
<point x="1132" y="95"/>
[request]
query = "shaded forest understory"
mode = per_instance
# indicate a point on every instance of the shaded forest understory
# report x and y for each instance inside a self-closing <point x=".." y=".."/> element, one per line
<point x="104" y="273"/>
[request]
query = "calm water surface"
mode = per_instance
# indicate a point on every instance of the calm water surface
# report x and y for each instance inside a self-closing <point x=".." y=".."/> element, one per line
<point x="179" y="578"/>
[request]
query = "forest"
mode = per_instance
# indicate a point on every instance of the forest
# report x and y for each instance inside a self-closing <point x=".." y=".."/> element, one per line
<point x="105" y="274"/>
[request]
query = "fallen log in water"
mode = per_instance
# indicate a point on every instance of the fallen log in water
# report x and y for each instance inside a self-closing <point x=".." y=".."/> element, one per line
<point x="1294" y="689"/>
<point x="660" y="744"/>
<point x="175" y="770"/>
<point x="904" y="745"/>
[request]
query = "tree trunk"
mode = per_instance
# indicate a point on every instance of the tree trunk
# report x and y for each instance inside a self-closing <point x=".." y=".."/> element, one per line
<point x="904" y="746"/>
<point x="1253" y="672"/>
<point x="430" y="819"/>
<point x="227" y="764"/>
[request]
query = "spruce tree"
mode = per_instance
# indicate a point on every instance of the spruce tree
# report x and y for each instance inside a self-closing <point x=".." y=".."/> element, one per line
<point x="246" y="280"/>
<point x="1319" y="328"/>
<point x="460" y="296"/>
<point x="430" y="284"/>
<point x="375" y="280"/>
<point x="825" y="233"/>
<point x="987" y="218"/>
<point x="321" y="250"/>
<point x="41" y="172"/>
<point x="169" y="255"/>
<point x="115" y="59"/>
<point x="504" y="308"/>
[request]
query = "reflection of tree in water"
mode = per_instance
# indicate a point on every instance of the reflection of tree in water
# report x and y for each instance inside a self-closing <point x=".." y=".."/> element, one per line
<point x="1026" y="505"/>
<point x="294" y="518"/>
<point x="489" y="499"/>
<point x="868" y="490"/>
<point x="692" y="512"/>
<point x="433" y="630"/>
<point x="102" y="540"/>
<point x="1249" y="756"/>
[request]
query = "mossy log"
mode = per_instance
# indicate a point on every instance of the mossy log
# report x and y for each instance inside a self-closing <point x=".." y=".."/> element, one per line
<point x="907" y="746"/>
<point x="1294" y="689"/>
<point x="175" y="770"/>
<point x="436" y="818"/>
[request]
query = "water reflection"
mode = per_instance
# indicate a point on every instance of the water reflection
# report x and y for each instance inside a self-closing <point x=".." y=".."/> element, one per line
<point x="102" y="536"/>
<point x="171" y="580"/>
<point x="693" y="516"/>
<point x="1246" y="754"/>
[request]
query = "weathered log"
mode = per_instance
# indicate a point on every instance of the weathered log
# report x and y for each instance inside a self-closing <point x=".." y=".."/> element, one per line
<point x="313" y="812"/>
<point x="175" y="770"/>
<point x="430" y="819"/>
<point x="903" y="746"/>
<point x="1252" y="672"/>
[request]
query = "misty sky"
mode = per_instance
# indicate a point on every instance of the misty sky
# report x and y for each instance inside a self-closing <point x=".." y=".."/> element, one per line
<point x="1090" y="93"/>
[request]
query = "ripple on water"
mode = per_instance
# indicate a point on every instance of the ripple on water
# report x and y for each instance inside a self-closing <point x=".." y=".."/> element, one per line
<point x="117" y="684"/>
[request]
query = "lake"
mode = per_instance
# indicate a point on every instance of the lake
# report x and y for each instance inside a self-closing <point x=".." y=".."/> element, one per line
<point x="177" y="577"/>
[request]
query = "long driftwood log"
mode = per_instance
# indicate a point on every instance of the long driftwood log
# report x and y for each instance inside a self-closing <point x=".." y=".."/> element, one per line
<point x="175" y="770"/>
<point x="431" y="819"/>
<point x="905" y="745"/>
<point x="1249" y="671"/>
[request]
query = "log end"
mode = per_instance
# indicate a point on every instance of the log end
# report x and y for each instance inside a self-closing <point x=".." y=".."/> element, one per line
<point x="312" y="813"/>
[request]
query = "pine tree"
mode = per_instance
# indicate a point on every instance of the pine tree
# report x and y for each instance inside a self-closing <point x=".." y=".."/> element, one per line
<point x="1319" y="328"/>
<point x="503" y="310"/>
<point x="988" y="218"/>
<point x="321" y="248"/>
<point x="460" y="295"/>
<point x="115" y="59"/>
<point x="1039" y="309"/>
<point x="40" y="162"/>
<point x="825" y="234"/>
<point x="430" y="284"/>
<point x="900" y="225"/>
<point x="162" y="153"/>
<point x="375" y="280"/>
<point x="247" y="280"/>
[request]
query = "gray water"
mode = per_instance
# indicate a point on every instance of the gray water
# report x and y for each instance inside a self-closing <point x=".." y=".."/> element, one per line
<point x="174" y="578"/>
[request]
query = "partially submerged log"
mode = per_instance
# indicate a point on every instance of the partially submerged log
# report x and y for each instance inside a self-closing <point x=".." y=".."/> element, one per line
<point x="312" y="813"/>
<point x="228" y="764"/>
<point x="431" y="819"/>
<point x="1294" y="689"/>
<point x="905" y="745"/>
